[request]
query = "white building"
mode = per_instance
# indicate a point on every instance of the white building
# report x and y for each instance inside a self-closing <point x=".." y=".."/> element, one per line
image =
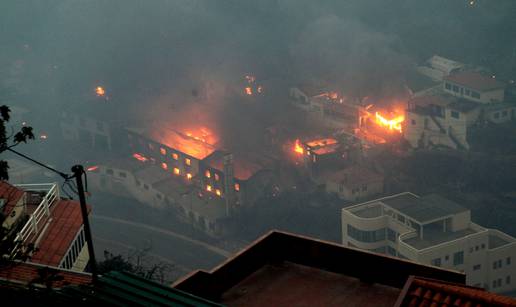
<point x="474" y="86"/>
<point x="438" y="67"/>
<point x="433" y="230"/>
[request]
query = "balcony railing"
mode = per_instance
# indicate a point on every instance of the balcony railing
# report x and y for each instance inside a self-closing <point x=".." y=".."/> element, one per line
<point x="34" y="226"/>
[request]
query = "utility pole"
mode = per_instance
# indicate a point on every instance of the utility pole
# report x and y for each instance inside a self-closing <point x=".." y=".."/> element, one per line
<point x="78" y="171"/>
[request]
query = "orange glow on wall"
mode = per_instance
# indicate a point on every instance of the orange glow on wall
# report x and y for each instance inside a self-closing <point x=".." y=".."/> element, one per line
<point x="207" y="174"/>
<point x="209" y="188"/>
<point x="175" y="156"/>
<point x="163" y="151"/>
<point x="188" y="162"/>
<point x="188" y="176"/>
<point x="216" y="177"/>
<point x="176" y="171"/>
<point x="237" y="187"/>
<point x="248" y="90"/>
<point x="164" y="166"/>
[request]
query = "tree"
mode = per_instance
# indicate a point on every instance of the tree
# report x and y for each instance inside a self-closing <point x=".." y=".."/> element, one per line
<point x="13" y="139"/>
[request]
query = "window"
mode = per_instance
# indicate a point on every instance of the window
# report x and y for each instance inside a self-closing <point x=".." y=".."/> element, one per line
<point x="163" y="151"/>
<point x="207" y="174"/>
<point x="158" y="196"/>
<point x="454" y="114"/>
<point x="494" y="283"/>
<point x="413" y="122"/>
<point x="364" y="187"/>
<point x="146" y="187"/>
<point x="175" y="156"/>
<point x="447" y="86"/>
<point x="508" y="280"/>
<point x="495" y="265"/>
<point x="475" y="95"/>
<point x="401" y="218"/>
<point x="237" y="187"/>
<point x="391" y="235"/>
<point x="341" y="188"/>
<point x="138" y="183"/>
<point x="476" y="248"/>
<point x="216" y="177"/>
<point x="122" y="175"/>
<point x="188" y="176"/>
<point x="188" y="162"/>
<point x="109" y="171"/>
<point x="458" y="258"/>
<point x="176" y="171"/>
<point x="470" y="250"/>
<point x="436" y="262"/>
<point x="209" y="188"/>
<point x="455" y="88"/>
<point x="496" y="115"/>
<point x="218" y="192"/>
<point x="477" y="267"/>
<point x="483" y="246"/>
<point x="447" y="257"/>
<point x="164" y="166"/>
<point x="508" y="261"/>
<point x="366" y="236"/>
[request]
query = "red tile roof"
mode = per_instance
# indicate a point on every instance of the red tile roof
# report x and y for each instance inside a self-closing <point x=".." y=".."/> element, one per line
<point x="475" y="80"/>
<point x="428" y="292"/>
<point x="11" y="194"/>
<point x="66" y="222"/>
<point x="29" y="272"/>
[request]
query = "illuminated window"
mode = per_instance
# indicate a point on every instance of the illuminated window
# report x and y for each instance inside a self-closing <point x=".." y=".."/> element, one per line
<point x="237" y="187"/>
<point x="176" y="171"/>
<point x="188" y="161"/>
<point x="188" y="176"/>
<point x="209" y="188"/>
<point x="216" y="177"/>
<point x="207" y="174"/>
<point x="217" y="191"/>
<point x="164" y="166"/>
<point x="175" y="156"/>
<point x="163" y="151"/>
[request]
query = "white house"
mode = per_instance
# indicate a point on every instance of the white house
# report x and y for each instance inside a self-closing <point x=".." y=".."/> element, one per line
<point x="436" y="231"/>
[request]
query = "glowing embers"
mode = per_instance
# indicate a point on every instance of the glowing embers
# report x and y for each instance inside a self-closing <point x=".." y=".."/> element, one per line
<point x="392" y="124"/>
<point x="249" y="90"/>
<point x="100" y="91"/>
<point x="176" y="171"/>
<point x="298" y="148"/>
<point x="93" y="168"/>
<point x="164" y="166"/>
<point x="252" y="88"/>
<point x="140" y="157"/>
<point x="188" y="176"/>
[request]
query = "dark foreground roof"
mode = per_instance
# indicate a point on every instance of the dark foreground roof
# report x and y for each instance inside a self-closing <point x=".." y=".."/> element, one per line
<point x="283" y="269"/>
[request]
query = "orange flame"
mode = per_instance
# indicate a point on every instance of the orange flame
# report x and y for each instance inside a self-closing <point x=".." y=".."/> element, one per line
<point x="92" y="168"/>
<point x="140" y="157"/>
<point x="298" y="148"/>
<point x="391" y="124"/>
<point x="248" y="91"/>
<point x="100" y="91"/>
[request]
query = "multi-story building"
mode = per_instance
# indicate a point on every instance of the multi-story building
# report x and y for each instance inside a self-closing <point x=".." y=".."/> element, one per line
<point x="433" y="230"/>
<point x="37" y="217"/>
<point x="474" y="86"/>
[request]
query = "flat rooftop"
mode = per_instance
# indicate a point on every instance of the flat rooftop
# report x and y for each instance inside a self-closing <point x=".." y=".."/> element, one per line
<point x="284" y="284"/>
<point x="369" y="211"/>
<point x="496" y="241"/>
<point x="425" y="208"/>
<point x="432" y="238"/>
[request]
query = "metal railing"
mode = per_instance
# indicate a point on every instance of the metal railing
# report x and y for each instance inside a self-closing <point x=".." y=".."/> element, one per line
<point x="39" y="217"/>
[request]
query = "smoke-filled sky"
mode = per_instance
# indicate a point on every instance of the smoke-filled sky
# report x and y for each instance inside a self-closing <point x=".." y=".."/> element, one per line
<point x="155" y="52"/>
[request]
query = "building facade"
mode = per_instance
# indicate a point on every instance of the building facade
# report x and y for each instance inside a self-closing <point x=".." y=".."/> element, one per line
<point x="436" y="231"/>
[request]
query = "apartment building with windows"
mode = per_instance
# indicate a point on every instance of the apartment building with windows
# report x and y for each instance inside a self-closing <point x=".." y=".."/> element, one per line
<point x="433" y="230"/>
<point x="474" y="86"/>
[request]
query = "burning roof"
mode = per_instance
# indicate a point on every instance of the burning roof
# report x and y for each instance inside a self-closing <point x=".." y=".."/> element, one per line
<point x="243" y="168"/>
